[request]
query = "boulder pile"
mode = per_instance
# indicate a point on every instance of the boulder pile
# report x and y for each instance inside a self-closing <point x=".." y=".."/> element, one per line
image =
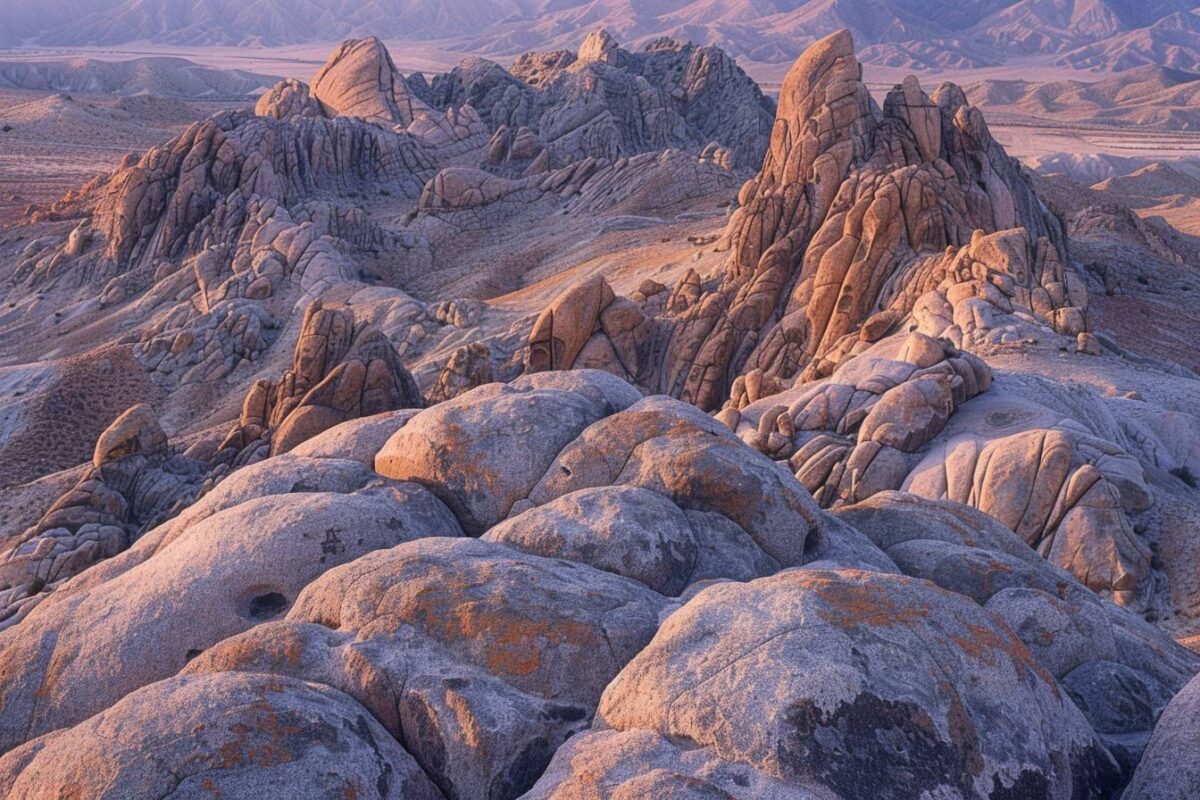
<point x="559" y="588"/>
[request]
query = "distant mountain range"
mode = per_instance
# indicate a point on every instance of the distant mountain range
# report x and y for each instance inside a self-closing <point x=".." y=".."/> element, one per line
<point x="158" y="76"/>
<point x="1106" y="34"/>
<point x="1147" y="96"/>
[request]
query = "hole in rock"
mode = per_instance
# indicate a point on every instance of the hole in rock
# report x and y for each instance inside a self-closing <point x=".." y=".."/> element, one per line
<point x="267" y="605"/>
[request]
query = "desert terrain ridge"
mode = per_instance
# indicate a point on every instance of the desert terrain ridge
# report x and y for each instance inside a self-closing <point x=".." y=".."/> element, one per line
<point x="611" y="418"/>
<point x="1028" y="131"/>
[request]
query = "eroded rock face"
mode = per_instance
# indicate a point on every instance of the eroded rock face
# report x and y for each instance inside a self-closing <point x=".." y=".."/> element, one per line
<point x="1082" y="641"/>
<point x="243" y="565"/>
<point x="483" y="457"/>
<point x="807" y="677"/>
<point x="482" y="660"/>
<point x="639" y="534"/>
<point x="133" y="482"/>
<point x="560" y="586"/>
<point x="360" y="80"/>
<point x="287" y="99"/>
<point x="606" y="102"/>
<point x="215" y="167"/>
<point x="876" y="262"/>
<point x="234" y="734"/>
<point x="1041" y="484"/>
<point x="341" y="371"/>
<point x="642" y="572"/>
<point x="858" y="210"/>
<point x="1168" y="769"/>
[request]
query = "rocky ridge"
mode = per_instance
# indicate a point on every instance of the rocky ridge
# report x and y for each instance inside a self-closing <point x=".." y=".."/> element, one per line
<point x="878" y="254"/>
<point x="218" y="237"/>
<point x="828" y="520"/>
<point x="218" y="240"/>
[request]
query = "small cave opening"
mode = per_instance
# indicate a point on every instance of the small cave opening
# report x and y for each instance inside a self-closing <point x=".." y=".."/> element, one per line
<point x="267" y="605"/>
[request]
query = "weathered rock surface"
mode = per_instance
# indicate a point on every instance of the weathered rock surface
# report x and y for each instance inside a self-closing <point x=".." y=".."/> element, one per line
<point x="1074" y="636"/>
<point x="639" y="534"/>
<point x="1041" y="484"/>
<point x="360" y="80"/>
<point x="885" y="565"/>
<point x="623" y="625"/>
<point x="496" y="657"/>
<point x="133" y="482"/>
<point x="858" y="210"/>
<point x="1168" y="770"/>
<point x="236" y="735"/>
<point x="189" y="186"/>
<point x="876" y="261"/>
<point x="807" y="677"/>
<point x="171" y="599"/>
<point x="606" y="102"/>
<point x="483" y="457"/>
<point x="341" y="371"/>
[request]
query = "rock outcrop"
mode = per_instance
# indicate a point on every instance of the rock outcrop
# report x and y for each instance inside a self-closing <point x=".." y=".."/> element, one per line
<point x="848" y="501"/>
<point x="133" y="483"/>
<point x="653" y="606"/>
<point x="857" y="212"/>
<point x="876" y="260"/>
<point x="1168" y="769"/>
<point x="844" y="646"/>
<point x="360" y="80"/>
<point x="178" y="197"/>
<point x="553" y="109"/>
<point x="341" y="371"/>
<point x="605" y="102"/>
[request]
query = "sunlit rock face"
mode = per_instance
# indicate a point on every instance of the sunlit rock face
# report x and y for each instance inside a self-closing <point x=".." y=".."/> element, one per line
<point x="650" y="602"/>
<point x="818" y="513"/>
<point x="877" y="262"/>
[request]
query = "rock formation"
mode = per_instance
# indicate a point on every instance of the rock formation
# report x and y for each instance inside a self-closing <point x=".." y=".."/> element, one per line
<point x="1167" y="770"/>
<point x="876" y="256"/>
<point x="360" y="80"/>
<point x="341" y="371"/>
<point x="851" y="499"/>
<point x="630" y="563"/>
<point x="552" y="109"/>
<point x="133" y="483"/>
<point x="858" y="211"/>
<point x="605" y="102"/>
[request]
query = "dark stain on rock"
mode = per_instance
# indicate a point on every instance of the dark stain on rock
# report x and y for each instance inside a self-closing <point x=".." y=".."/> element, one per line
<point x="362" y="729"/>
<point x="421" y="737"/>
<point x="876" y="748"/>
<point x="332" y="545"/>
<point x="1030" y="785"/>
<point x="1095" y="774"/>
<point x="563" y="713"/>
